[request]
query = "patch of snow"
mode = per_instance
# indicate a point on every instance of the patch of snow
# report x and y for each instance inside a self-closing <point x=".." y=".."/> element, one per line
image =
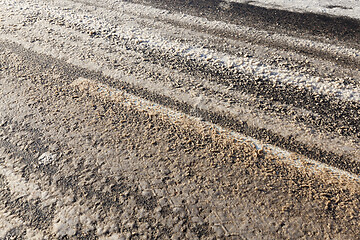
<point x="133" y="33"/>
<point x="46" y="158"/>
<point x="348" y="8"/>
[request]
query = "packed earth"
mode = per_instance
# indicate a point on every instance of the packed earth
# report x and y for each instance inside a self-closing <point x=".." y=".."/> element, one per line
<point x="172" y="119"/>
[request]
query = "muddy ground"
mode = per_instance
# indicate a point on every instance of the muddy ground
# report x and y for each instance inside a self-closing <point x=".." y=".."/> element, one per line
<point x="141" y="120"/>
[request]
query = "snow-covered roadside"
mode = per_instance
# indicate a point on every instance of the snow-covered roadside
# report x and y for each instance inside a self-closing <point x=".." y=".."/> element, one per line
<point x="133" y="37"/>
<point x="348" y="8"/>
<point x="146" y="38"/>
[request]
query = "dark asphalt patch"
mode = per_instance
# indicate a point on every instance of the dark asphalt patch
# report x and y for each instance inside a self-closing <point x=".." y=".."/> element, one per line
<point x="336" y="28"/>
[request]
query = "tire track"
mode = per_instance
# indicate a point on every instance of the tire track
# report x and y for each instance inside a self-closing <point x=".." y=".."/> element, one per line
<point x="191" y="65"/>
<point x="328" y="114"/>
<point x="317" y="48"/>
<point x="96" y="181"/>
<point x="276" y="85"/>
<point x="225" y="120"/>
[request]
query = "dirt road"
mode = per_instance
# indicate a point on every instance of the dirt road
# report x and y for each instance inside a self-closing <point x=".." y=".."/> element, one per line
<point x="177" y="120"/>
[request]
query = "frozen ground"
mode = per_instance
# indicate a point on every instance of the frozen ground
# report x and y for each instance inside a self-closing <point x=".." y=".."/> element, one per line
<point x="347" y="8"/>
<point x="137" y="120"/>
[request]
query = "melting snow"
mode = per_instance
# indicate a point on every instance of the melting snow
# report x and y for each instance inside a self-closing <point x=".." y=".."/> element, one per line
<point x="349" y="8"/>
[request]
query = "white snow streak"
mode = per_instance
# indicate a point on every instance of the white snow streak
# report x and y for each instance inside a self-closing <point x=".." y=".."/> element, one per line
<point x="131" y="31"/>
<point x="347" y="8"/>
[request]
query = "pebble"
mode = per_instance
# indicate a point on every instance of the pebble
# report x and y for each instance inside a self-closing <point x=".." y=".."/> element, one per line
<point x="163" y="202"/>
<point x="147" y="193"/>
<point x="158" y="209"/>
<point x="179" y="210"/>
<point x="160" y="192"/>
<point x="144" y="185"/>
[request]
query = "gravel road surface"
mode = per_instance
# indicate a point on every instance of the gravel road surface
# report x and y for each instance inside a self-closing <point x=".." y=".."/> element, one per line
<point x="172" y="119"/>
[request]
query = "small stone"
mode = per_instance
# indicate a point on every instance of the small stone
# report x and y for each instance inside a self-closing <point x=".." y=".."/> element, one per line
<point x="163" y="202"/>
<point x="147" y="193"/>
<point x="158" y="209"/>
<point x="121" y="199"/>
<point x="144" y="185"/>
<point x="178" y="210"/>
<point x="2" y="123"/>
<point x="130" y="225"/>
<point x="142" y="213"/>
<point x="160" y="192"/>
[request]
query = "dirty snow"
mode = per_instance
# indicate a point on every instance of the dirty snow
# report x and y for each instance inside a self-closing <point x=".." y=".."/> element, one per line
<point x="349" y="8"/>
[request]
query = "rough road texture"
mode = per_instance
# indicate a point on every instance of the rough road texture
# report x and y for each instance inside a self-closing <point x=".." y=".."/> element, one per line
<point x="138" y="120"/>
